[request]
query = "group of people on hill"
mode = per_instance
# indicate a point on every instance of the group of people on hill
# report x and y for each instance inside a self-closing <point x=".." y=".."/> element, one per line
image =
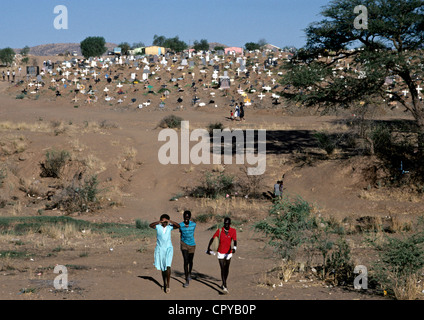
<point x="8" y="74"/>
<point x="226" y="247"/>
<point x="238" y="112"/>
<point x="164" y="250"/>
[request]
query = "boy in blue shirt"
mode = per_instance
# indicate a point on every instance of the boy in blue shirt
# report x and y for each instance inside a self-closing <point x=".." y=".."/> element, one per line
<point x="188" y="245"/>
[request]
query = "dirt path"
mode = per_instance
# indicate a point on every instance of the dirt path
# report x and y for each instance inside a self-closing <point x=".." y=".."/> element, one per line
<point x="127" y="271"/>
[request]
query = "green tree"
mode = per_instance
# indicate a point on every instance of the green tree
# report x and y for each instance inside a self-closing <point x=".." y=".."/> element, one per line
<point x="251" y="46"/>
<point x="390" y="46"/>
<point x="125" y="48"/>
<point x="93" y="47"/>
<point x="25" y="51"/>
<point x="7" y="55"/>
<point x="138" y="45"/>
<point x="175" y="44"/>
<point x="159" y="40"/>
<point x="203" y="45"/>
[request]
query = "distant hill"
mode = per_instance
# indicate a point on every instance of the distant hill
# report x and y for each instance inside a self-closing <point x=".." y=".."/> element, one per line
<point x="54" y="49"/>
<point x="212" y="45"/>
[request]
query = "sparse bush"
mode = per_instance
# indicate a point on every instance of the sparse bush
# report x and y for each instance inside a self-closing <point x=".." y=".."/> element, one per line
<point x="143" y="225"/>
<point x="171" y="122"/>
<point x="325" y="142"/>
<point x="400" y="262"/>
<point x="77" y="197"/>
<point x="215" y="185"/>
<point x="287" y="226"/>
<point x="252" y="184"/>
<point x="339" y="265"/>
<point x="213" y="126"/>
<point x="381" y="138"/>
<point x="55" y="161"/>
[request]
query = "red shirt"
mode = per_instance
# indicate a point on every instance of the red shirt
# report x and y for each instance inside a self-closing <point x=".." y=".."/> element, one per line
<point x="225" y="239"/>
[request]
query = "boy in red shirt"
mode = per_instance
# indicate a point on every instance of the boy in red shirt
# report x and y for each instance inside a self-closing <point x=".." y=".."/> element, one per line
<point x="225" y="252"/>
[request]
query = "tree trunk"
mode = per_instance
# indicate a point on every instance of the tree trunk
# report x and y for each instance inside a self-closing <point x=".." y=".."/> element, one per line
<point x="421" y="136"/>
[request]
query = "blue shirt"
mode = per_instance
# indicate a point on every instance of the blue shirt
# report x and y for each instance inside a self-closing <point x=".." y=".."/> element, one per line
<point x="187" y="233"/>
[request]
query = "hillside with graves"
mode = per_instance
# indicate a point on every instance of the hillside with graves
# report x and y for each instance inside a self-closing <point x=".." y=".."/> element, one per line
<point x="81" y="176"/>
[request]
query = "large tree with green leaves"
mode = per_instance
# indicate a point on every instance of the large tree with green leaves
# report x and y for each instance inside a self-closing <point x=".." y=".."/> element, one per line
<point x="7" y="55"/>
<point x="389" y="45"/>
<point x="252" y="46"/>
<point x="175" y="44"/>
<point x="125" y="48"/>
<point x="202" y="45"/>
<point x="93" y="47"/>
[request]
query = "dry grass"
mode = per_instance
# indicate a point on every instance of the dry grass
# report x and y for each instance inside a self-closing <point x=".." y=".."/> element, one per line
<point x="393" y="195"/>
<point x="237" y="207"/>
<point x="128" y="161"/>
<point x="65" y="232"/>
<point x="32" y="188"/>
<point x="93" y="164"/>
<point x="16" y="209"/>
<point x="409" y="289"/>
<point x="282" y="273"/>
<point x="57" y="127"/>
<point x="287" y="269"/>
<point x="23" y="126"/>
<point x="12" y="144"/>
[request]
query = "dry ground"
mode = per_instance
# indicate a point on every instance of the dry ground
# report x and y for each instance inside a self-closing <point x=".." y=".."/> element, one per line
<point x="121" y="147"/>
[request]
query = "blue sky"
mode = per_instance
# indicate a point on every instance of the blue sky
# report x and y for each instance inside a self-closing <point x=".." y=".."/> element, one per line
<point x="231" y="22"/>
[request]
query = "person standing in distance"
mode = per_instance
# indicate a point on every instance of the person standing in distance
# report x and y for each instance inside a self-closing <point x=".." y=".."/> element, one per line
<point x="225" y="252"/>
<point x="188" y="245"/>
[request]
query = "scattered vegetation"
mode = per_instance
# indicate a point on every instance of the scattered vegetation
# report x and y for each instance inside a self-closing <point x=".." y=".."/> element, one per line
<point x="48" y="224"/>
<point x="215" y="185"/>
<point x="54" y="163"/>
<point x="80" y="196"/>
<point x="171" y="122"/>
<point x="400" y="264"/>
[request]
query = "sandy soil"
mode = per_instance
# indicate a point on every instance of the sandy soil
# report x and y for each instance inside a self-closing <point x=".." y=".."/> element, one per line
<point x="145" y="188"/>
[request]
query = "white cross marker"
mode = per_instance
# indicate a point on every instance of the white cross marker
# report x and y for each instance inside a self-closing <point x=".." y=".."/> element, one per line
<point x="261" y="96"/>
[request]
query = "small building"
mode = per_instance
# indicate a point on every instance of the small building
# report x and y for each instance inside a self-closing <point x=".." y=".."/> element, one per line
<point x="155" y="50"/>
<point x="236" y="50"/>
<point x="271" y="47"/>
<point x="117" y="51"/>
<point x="137" y="51"/>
